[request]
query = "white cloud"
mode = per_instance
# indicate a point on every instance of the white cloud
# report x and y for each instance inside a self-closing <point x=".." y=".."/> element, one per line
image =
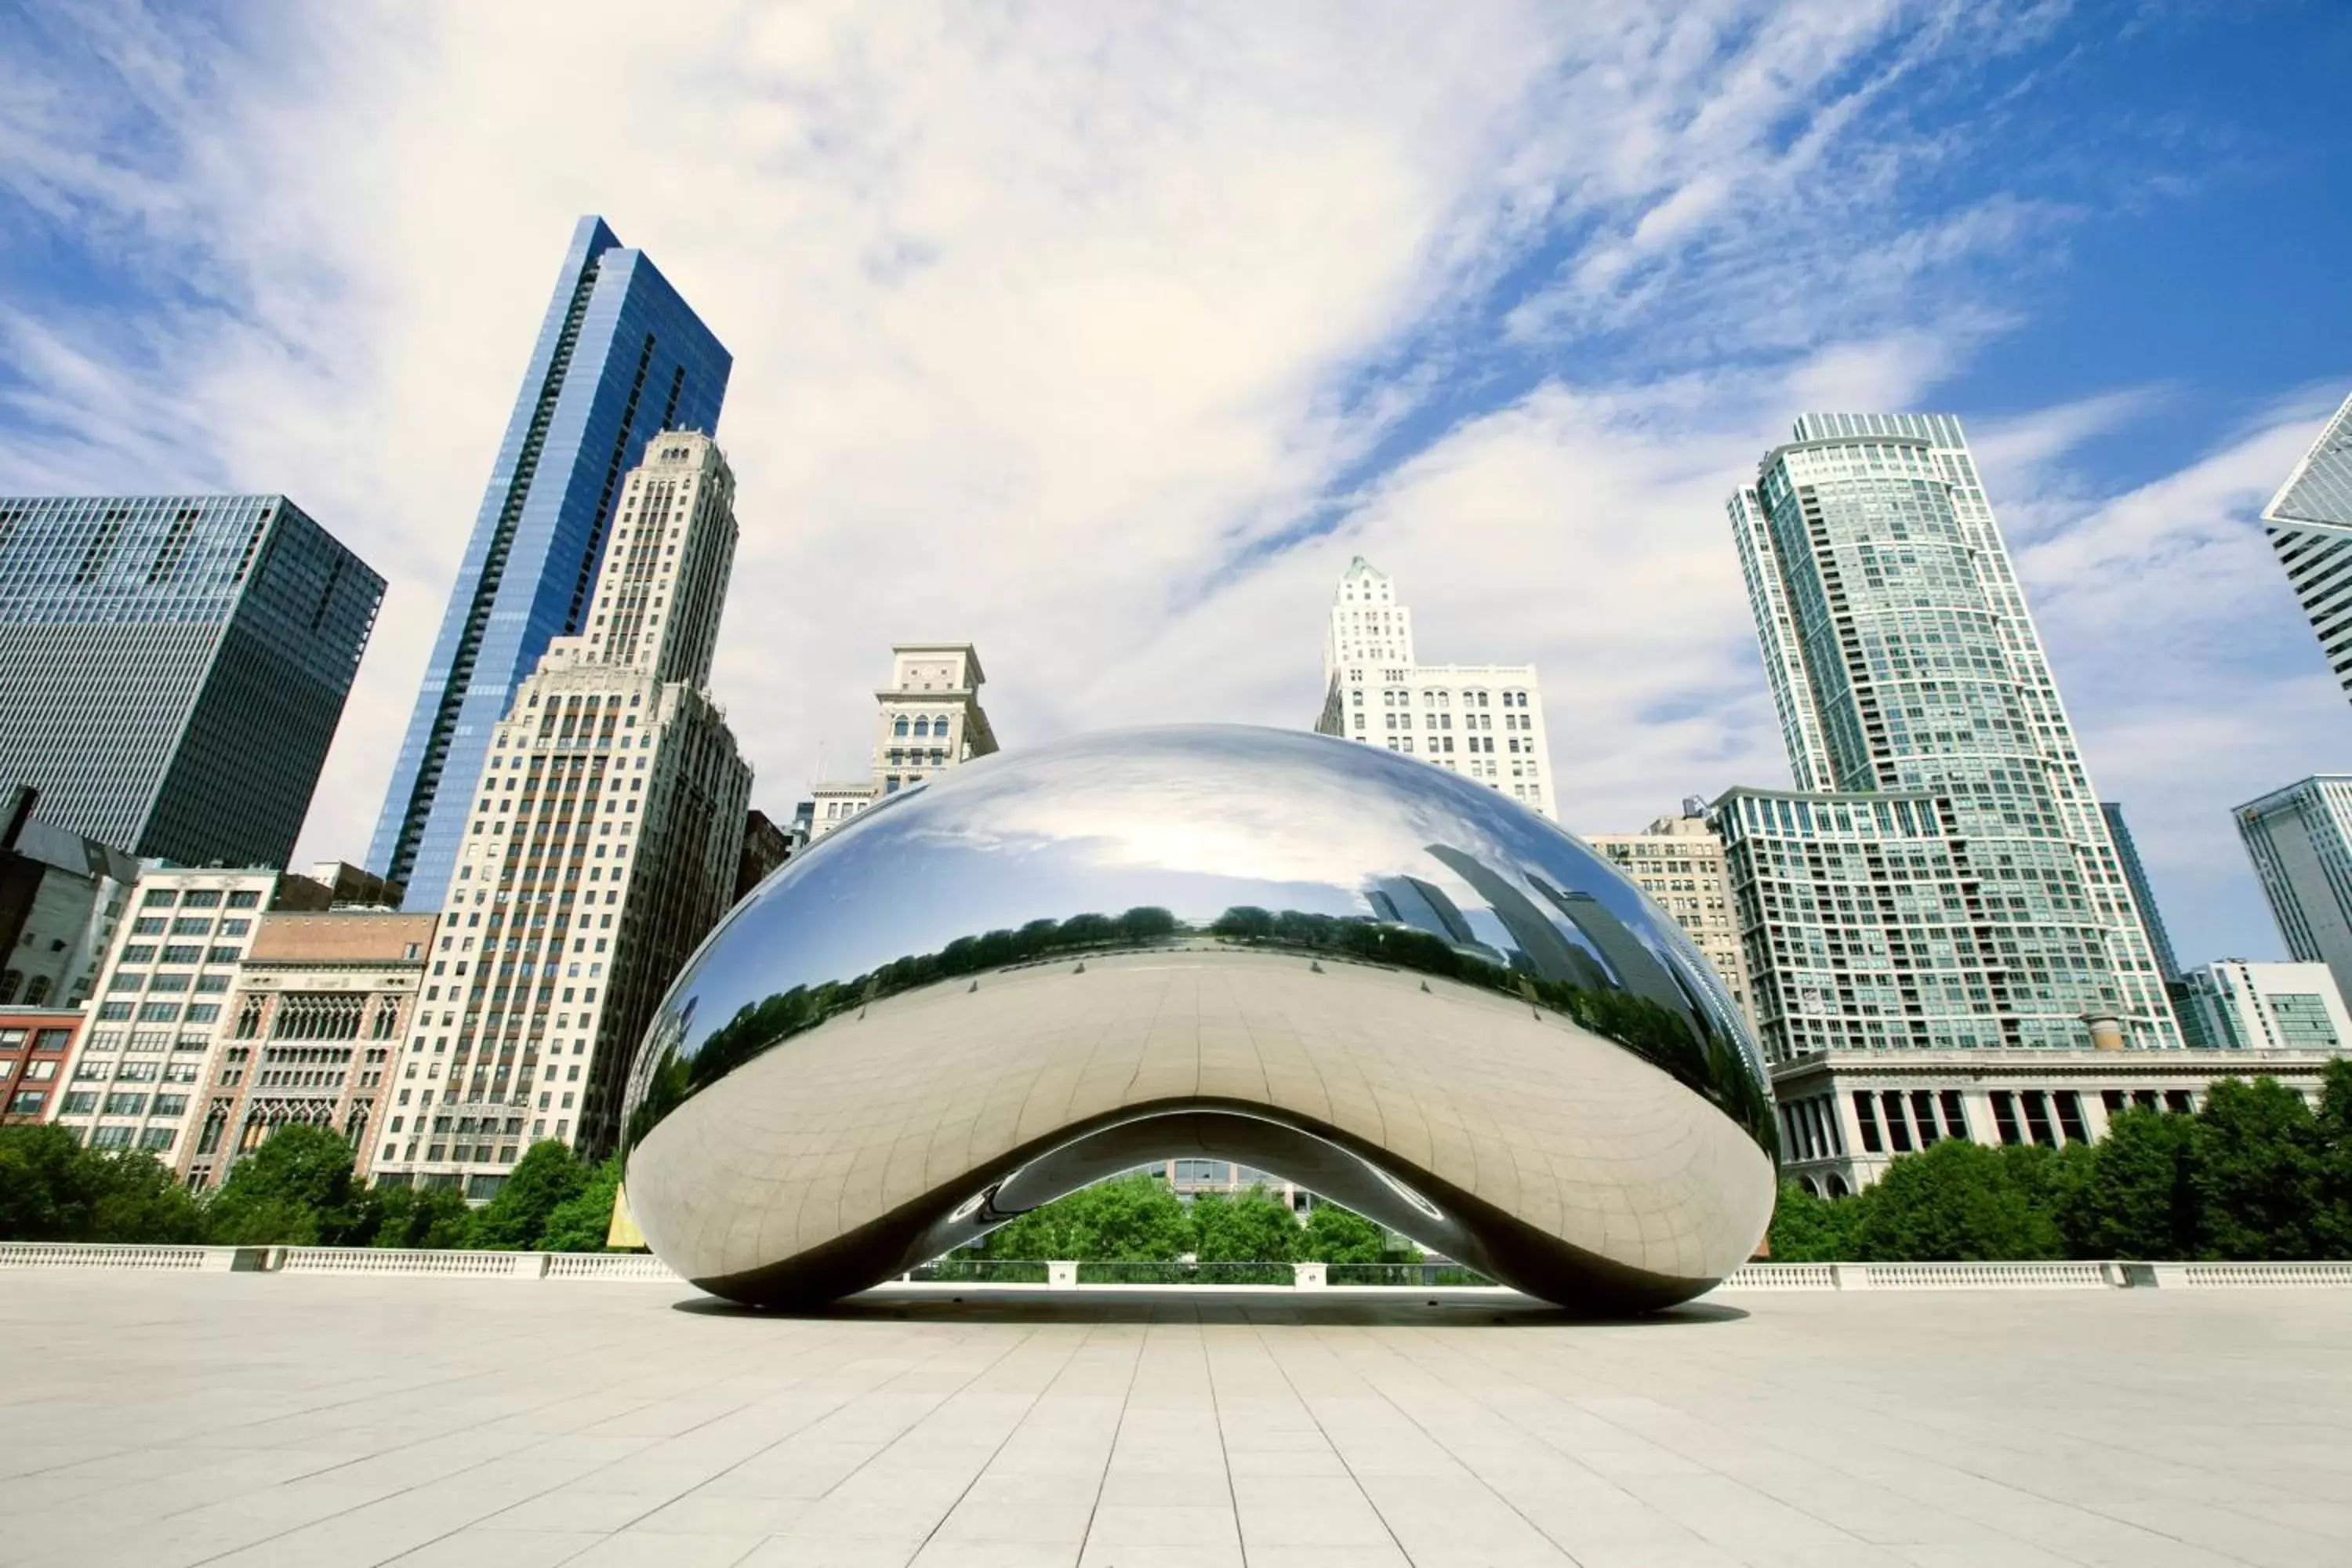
<point x="1052" y="326"/>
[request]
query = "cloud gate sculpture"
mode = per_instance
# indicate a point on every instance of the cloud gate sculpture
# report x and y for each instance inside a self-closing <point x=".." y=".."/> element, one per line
<point x="1372" y="976"/>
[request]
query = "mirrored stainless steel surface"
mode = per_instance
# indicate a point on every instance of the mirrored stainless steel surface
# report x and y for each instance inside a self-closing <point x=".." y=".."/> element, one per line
<point x="1263" y="913"/>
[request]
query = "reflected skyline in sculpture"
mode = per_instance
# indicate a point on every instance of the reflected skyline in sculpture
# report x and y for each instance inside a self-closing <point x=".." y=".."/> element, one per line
<point x="1202" y="843"/>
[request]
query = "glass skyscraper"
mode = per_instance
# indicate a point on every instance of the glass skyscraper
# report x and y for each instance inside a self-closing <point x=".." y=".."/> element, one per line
<point x="620" y="358"/>
<point x="2310" y="526"/>
<point x="2300" y="840"/>
<point x="2143" y="892"/>
<point x="1961" y="888"/>
<point x="173" y="667"/>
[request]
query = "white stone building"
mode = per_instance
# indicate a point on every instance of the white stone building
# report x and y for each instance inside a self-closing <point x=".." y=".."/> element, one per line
<point x="1482" y="720"/>
<point x="1846" y="1115"/>
<point x="2238" y="1005"/>
<point x="928" y="719"/>
<point x="156" y="1017"/>
<point x="1679" y="862"/>
<point x="604" y="843"/>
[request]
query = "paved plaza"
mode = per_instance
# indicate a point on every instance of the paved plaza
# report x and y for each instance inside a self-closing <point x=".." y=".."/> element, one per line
<point x="248" y="1419"/>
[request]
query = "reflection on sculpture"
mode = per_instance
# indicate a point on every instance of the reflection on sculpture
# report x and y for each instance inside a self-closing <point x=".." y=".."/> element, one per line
<point x="1372" y="976"/>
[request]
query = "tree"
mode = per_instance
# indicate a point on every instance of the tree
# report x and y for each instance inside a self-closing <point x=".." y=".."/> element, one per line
<point x="2257" y="1171"/>
<point x="430" y="1217"/>
<point x="1253" y="1227"/>
<point x="2139" y="1199"/>
<point x="1807" y="1230"/>
<point x="53" y="1189"/>
<point x="296" y="1190"/>
<point x="581" y="1222"/>
<point x="548" y="1176"/>
<point x="1336" y="1235"/>
<point x="1134" y="1218"/>
<point x="2331" y="1231"/>
<point x="1956" y="1201"/>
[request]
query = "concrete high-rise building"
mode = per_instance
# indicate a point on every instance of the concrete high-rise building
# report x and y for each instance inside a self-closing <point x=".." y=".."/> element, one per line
<point x="61" y="896"/>
<point x="604" y="842"/>
<point x="152" y="1048"/>
<point x="2142" y="892"/>
<point x="320" y="1005"/>
<point x="173" y="667"/>
<point x="2237" y="1006"/>
<point x="1679" y="862"/>
<point x="1482" y="720"/>
<point x="927" y="719"/>
<point x="2300" y="840"/>
<point x="1904" y="667"/>
<point x="620" y="359"/>
<point x="2310" y="526"/>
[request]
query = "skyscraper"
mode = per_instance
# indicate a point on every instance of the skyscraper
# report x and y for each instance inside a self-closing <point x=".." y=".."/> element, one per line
<point x="2143" y="893"/>
<point x="2310" y="526"/>
<point x="173" y="667"/>
<point x="603" y="844"/>
<point x="2300" y="840"/>
<point x="1482" y="720"/>
<point x="620" y="358"/>
<point x="928" y="718"/>
<point x="1905" y="666"/>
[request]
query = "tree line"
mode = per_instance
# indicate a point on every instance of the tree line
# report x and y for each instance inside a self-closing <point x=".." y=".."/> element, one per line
<point x="2255" y="1175"/>
<point x="297" y="1189"/>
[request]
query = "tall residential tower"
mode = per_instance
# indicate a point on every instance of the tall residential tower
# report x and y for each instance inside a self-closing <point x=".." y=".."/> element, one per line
<point x="601" y="845"/>
<point x="620" y="358"/>
<point x="1943" y="876"/>
<point x="2300" y="840"/>
<point x="173" y="667"/>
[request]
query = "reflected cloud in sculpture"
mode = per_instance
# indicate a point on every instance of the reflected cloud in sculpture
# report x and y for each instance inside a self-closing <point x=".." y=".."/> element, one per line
<point x="1371" y="976"/>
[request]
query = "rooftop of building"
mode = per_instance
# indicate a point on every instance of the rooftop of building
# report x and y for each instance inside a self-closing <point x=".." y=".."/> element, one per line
<point x="184" y="1418"/>
<point x="342" y="936"/>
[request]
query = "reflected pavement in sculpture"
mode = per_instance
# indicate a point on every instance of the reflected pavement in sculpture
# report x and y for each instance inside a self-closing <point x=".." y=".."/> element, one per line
<point x="1366" y="974"/>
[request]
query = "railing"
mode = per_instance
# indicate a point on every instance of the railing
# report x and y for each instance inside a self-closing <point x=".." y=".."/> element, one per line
<point x="950" y="1271"/>
<point x="1985" y="1276"/>
<point x="403" y="1261"/>
<point x="93" y="1255"/>
<point x="1416" y="1276"/>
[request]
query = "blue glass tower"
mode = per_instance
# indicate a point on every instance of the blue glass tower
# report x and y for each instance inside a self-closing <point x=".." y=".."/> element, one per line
<point x="620" y="358"/>
<point x="173" y="667"/>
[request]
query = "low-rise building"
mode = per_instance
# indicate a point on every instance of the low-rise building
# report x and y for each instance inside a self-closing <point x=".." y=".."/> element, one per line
<point x="320" y="1005"/>
<point x="2239" y="1006"/>
<point x="35" y="1043"/>
<point x="1846" y="1115"/>
<point x="156" y="1017"/>
<point x="61" y="896"/>
<point x="1679" y="862"/>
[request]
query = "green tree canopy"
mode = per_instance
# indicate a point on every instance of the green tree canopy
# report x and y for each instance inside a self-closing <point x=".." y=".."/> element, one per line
<point x="1807" y="1230"/>
<point x="548" y="1176"/>
<point x="2139" y="1199"/>
<point x="2257" y="1165"/>
<point x="53" y="1189"/>
<point x="1336" y="1235"/>
<point x="1253" y="1227"/>
<point x="1956" y="1201"/>
<point x="581" y="1222"/>
<point x="416" y="1216"/>
<point x="296" y="1190"/>
<point x="1134" y="1218"/>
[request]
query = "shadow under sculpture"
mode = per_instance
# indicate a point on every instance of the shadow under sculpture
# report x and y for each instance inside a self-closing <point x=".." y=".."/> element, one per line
<point x="1367" y="974"/>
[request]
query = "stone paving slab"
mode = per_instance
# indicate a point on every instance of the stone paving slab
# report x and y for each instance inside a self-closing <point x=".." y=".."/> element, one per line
<point x="173" y="1420"/>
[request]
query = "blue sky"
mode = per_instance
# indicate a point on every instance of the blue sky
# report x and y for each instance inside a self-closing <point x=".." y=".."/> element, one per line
<point x="1103" y="337"/>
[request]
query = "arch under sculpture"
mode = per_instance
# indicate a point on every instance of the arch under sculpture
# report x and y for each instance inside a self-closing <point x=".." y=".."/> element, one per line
<point x="1367" y="974"/>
